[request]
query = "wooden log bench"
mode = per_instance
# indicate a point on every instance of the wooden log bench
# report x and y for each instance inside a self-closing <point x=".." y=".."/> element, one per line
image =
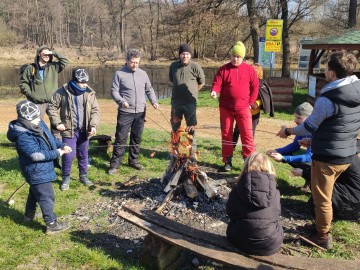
<point x="167" y="238"/>
<point x="104" y="142"/>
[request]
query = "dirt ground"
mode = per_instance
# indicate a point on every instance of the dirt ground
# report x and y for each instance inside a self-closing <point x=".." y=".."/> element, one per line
<point x="208" y="122"/>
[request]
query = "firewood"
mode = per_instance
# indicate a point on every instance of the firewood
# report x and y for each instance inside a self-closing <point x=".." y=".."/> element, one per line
<point x="190" y="188"/>
<point x="173" y="192"/>
<point x="201" y="178"/>
<point x="169" y="169"/>
<point x="175" y="179"/>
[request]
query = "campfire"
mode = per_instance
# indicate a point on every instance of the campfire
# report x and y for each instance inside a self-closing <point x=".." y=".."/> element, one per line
<point x="183" y="173"/>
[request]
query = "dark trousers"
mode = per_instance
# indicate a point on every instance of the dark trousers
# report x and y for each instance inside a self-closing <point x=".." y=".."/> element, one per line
<point x="44" y="195"/>
<point x="133" y="122"/>
<point x="79" y="144"/>
<point x="179" y="111"/>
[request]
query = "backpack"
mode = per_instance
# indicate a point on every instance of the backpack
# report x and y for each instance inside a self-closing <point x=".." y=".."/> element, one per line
<point x="22" y="70"/>
<point x="24" y="66"/>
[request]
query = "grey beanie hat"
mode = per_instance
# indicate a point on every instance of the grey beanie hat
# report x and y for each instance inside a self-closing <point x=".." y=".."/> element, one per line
<point x="80" y="75"/>
<point x="304" y="109"/>
<point x="27" y="110"/>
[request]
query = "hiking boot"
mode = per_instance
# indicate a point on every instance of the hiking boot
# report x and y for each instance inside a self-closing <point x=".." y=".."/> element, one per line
<point x="56" y="227"/>
<point x="85" y="180"/>
<point x="323" y="240"/>
<point x="136" y="166"/>
<point x="112" y="171"/>
<point x="65" y="183"/>
<point x="226" y="168"/>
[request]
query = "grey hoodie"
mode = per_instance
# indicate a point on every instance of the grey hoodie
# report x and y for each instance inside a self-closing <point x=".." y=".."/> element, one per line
<point x="131" y="87"/>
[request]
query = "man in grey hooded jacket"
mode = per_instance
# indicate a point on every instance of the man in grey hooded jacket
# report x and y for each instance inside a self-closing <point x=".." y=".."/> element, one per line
<point x="128" y="88"/>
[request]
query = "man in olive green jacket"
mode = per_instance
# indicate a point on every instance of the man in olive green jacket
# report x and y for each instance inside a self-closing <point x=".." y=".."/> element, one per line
<point x="39" y="80"/>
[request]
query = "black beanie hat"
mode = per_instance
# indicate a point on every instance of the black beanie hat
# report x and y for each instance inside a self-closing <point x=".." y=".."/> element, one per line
<point x="80" y="75"/>
<point x="185" y="48"/>
<point x="27" y="110"/>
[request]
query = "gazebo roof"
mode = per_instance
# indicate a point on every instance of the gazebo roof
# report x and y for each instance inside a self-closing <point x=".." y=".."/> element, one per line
<point x="346" y="40"/>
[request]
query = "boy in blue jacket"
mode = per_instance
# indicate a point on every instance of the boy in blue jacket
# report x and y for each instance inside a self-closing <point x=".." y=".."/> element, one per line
<point x="38" y="149"/>
<point x="286" y="154"/>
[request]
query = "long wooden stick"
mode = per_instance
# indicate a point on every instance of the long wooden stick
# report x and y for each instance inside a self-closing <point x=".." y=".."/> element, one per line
<point x="14" y="193"/>
<point x="310" y="242"/>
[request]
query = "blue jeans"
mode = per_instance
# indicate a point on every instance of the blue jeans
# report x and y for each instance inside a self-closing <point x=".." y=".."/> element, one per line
<point x="44" y="195"/>
<point x="79" y="144"/>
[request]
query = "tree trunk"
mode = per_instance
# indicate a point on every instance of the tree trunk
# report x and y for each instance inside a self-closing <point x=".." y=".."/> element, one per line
<point x="285" y="69"/>
<point x="254" y="28"/>
<point x="352" y="13"/>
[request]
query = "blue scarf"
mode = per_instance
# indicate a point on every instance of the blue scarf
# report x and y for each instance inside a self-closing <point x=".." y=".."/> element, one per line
<point x="75" y="89"/>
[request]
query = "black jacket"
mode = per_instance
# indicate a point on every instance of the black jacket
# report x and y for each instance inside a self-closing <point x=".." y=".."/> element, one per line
<point x="266" y="98"/>
<point x="346" y="193"/>
<point x="254" y="211"/>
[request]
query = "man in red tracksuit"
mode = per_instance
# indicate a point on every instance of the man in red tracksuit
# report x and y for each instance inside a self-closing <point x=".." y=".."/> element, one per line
<point x="238" y="86"/>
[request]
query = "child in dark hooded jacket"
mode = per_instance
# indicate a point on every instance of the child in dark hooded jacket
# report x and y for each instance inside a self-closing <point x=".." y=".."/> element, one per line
<point x="254" y="208"/>
<point x="38" y="149"/>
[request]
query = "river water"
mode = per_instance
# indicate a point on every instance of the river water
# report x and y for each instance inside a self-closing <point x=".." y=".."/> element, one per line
<point x="101" y="77"/>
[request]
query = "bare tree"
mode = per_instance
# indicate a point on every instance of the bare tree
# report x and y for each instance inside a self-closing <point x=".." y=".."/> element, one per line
<point x="352" y="13"/>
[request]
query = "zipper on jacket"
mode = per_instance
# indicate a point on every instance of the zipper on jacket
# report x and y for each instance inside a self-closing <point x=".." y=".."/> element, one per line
<point x="135" y="91"/>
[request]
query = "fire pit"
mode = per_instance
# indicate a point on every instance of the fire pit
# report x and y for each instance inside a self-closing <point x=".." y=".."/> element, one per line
<point x="183" y="172"/>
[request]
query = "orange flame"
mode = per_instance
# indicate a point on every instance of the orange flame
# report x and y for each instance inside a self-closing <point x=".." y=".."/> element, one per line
<point x="178" y="147"/>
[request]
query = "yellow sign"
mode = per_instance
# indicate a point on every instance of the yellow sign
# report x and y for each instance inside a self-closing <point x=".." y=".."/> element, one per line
<point x="272" y="46"/>
<point x="273" y="30"/>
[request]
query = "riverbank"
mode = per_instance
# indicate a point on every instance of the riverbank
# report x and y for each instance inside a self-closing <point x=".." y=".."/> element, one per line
<point x="17" y="55"/>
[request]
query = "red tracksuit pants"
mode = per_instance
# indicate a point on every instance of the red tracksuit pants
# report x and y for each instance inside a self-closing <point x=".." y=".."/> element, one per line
<point x="243" y="119"/>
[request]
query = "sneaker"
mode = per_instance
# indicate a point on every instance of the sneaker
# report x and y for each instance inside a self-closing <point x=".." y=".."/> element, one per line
<point x="64" y="187"/>
<point x="136" y="166"/>
<point x="85" y="180"/>
<point x="56" y="227"/>
<point x="112" y="171"/>
<point x="322" y="240"/>
<point x="226" y="168"/>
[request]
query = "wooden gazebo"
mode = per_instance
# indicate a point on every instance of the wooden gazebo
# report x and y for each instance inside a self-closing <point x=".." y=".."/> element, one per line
<point x="347" y="40"/>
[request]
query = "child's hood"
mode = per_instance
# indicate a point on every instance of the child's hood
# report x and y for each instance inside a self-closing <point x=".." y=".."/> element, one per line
<point x="257" y="189"/>
<point x="15" y="131"/>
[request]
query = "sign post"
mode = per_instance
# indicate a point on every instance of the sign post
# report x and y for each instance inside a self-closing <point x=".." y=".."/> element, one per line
<point x="264" y="57"/>
<point x="273" y="40"/>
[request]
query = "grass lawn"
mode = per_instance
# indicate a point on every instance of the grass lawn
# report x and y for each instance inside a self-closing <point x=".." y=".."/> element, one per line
<point x="25" y="246"/>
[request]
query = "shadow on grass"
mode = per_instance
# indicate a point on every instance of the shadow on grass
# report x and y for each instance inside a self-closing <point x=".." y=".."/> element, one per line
<point x="119" y="249"/>
<point x="7" y="211"/>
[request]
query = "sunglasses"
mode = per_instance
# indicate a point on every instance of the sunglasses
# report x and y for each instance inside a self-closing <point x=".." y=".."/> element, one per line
<point x="48" y="55"/>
